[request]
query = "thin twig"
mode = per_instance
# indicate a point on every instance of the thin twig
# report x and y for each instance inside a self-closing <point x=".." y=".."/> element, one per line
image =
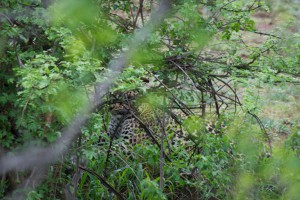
<point x="103" y="182"/>
<point x="149" y="132"/>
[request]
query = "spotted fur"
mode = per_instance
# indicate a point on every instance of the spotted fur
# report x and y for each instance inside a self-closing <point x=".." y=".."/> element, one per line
<point x="126" y="130"/>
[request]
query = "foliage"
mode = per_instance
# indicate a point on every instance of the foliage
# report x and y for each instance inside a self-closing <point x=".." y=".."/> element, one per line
<point x="197" y="61"/>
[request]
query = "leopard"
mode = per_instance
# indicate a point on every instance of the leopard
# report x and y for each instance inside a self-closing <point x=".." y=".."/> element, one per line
<point x="133" y="123"/>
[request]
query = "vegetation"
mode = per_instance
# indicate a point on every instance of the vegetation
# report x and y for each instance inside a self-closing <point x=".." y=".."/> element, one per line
<point x="65" y="64"/>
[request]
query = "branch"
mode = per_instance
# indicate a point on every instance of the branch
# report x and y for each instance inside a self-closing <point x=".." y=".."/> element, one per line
<point x="149" y="132"/>
<point x="262" y="127"/>
<point x="262" y="33"/>
<point x="103" y="182"/>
